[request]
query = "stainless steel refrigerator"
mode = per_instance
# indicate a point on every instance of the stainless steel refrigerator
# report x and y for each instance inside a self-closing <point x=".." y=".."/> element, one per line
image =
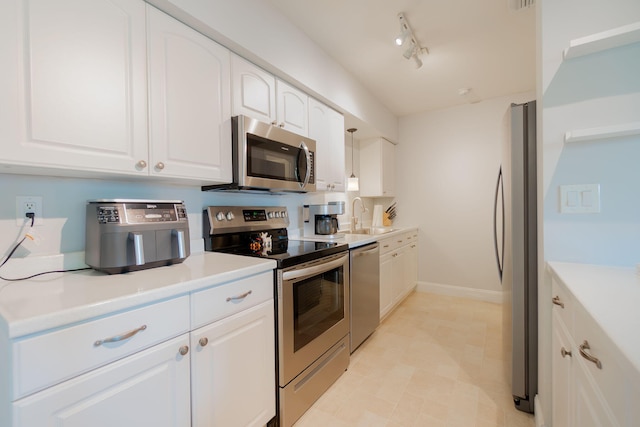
<point x="515" y="230"/>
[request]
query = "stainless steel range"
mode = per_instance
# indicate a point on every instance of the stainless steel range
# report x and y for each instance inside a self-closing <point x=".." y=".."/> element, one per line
<point x="312" y="294"/>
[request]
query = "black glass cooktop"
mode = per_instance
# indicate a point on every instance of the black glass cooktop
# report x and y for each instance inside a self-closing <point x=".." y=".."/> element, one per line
<point x="286" y="252"/>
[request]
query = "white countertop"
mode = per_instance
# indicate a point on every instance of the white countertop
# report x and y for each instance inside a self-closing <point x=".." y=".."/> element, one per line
<point x="355" y="240"/>
<point x="612" y="296"/>
<point x="59" y="299"/>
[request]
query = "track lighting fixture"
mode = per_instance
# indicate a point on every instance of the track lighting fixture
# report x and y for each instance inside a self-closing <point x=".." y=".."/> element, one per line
<point x="406" y="37"/>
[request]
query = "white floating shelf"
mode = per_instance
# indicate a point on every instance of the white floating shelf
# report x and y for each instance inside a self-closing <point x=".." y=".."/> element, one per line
<point x="605" y="132"/>
<point x="602" y="41"/>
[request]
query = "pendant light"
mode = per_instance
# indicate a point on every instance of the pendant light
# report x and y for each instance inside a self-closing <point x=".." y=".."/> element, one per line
<point x="352" y="183"/>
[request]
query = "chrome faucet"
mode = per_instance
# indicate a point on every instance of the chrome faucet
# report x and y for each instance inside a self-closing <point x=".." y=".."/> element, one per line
<point x="354" y="220"/>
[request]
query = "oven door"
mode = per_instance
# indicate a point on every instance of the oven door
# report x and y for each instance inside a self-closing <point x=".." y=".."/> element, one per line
<point x="313" y="312"/>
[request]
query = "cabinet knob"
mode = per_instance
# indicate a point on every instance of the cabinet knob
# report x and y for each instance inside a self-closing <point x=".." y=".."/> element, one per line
<point x="556" y="301"/>
<point x="184" y="350"/>
<point x="564" y="352"/>
<point x="281" y="125"/>
<point x="141" y="164"/>
<point x="274" y="123"/>
<point x="203" y="341"/>
<point x="159" y="165"/>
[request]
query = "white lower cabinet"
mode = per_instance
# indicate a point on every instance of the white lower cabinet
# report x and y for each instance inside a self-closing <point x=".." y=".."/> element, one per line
<point x="398" y="269"/>
<point x="588" y="386"/>
<point x="206" y="360"/>
<point x="386" y="284"/>
<point x="232" y="370"/>
<point x="150" y="388"/>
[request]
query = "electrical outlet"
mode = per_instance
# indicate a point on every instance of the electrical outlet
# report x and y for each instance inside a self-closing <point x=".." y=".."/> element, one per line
<point x="28" y="204"/>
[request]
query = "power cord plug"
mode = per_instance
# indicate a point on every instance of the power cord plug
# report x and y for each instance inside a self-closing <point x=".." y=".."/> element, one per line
<point x="32" y="216"/>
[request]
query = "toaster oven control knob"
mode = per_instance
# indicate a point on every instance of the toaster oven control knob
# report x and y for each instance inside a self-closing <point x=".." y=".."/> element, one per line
<point x="220" y="216"/>
<point x="230" y="216"/>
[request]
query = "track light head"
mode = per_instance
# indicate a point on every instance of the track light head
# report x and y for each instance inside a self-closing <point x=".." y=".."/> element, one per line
<point x="409" y="52"/>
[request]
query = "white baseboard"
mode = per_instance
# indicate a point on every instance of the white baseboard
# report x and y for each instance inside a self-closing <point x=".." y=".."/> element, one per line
<point x="460" y="291"/>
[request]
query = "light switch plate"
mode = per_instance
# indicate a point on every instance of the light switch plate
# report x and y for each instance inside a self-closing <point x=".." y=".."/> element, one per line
<point x="584" y="198"/>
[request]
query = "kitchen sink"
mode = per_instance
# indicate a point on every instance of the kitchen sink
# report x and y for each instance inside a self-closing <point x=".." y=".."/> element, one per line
<point x="372" y="231"/>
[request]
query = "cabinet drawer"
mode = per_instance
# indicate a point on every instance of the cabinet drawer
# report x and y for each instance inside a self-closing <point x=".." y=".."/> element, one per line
<point x="387" y="245"/>
<point x="611" y="378"/>
<point x="562" y="304"/>
<point x="228" y="298"/>
<point x="47" y="359"/>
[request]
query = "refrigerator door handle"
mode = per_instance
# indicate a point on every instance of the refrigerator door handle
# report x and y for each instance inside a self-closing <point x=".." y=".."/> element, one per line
<point x="499" y="249"/>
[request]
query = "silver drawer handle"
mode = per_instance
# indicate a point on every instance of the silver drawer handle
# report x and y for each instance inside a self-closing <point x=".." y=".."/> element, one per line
<point x="242" y="296"/>
<point x="122" y="337"/>
<point x="556" y="301"/>
<point x="564" y="352"/>
<point x="585" y="346"/>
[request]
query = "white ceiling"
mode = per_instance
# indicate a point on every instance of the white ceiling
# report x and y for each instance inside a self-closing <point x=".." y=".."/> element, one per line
<point x="476" y="44"/>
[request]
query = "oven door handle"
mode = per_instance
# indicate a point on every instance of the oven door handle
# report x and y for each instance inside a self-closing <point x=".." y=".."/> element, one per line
<point x="315" y="269"/>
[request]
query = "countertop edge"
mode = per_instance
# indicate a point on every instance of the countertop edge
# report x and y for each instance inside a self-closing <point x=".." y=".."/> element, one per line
<point x="175" y="284"/>
<point x="580" y="280"/>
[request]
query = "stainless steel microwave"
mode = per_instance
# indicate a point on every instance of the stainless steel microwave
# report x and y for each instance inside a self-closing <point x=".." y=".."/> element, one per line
<point x="269" y="158"/>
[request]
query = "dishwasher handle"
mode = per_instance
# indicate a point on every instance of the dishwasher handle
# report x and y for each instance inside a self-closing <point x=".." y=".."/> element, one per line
<point x="366" y="250"/>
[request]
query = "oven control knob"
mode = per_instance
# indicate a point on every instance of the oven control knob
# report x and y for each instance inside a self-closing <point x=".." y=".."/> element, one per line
<point x="220" y="216"/>
<point x="230" y="216"/>
<point x="283" y="214"/>
<point x="271" y="215"/>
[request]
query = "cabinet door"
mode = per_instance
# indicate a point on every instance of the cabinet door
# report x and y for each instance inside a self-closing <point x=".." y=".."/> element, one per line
<point x="253" y="91"/>
<point x="150" y="388"/>
<point x="233" y="369"/>
<point x="388" y="169"/>
<point x="411" y="266"/>
<point x="73" y="84"/>
<point x="399" y="274"/>
<point x="292" y="107"/>
<point x="386" y="284"/>
<point x="326" y="127"/>
<point x="591" y="409"/>
<point x="190" y="104"/>
<point x="561" y="377"/>
<point x="377" y="167"/>
<point x="336" y="174"/>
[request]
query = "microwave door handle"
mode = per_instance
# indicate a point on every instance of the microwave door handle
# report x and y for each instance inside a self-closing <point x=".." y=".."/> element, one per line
<point x="308" y="158"/>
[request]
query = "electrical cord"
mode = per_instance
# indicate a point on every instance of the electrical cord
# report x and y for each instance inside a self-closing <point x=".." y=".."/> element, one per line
<point x="13" y="250"/>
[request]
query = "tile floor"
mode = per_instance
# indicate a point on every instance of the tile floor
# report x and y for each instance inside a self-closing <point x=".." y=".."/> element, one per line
<point x="436" y="361"/>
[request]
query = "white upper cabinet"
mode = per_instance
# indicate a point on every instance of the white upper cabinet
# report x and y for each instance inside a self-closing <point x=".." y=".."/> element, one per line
<point x="292" y="106"/>
<point x="73" y="84"/>
<point x="189" y="102"/>
<point x="326" y="127"/>
<point x="259" y="95"/>
<point x="74" y="100"/>
<point x="377" y="168"/>
<point x="254" y="91"/>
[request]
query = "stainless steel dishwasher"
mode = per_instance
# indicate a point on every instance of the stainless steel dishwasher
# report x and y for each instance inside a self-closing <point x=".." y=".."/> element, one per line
<point x="365" y="292"/>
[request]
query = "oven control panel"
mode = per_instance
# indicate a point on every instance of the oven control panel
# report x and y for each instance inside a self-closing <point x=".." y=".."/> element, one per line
<point x="225" y="219"/>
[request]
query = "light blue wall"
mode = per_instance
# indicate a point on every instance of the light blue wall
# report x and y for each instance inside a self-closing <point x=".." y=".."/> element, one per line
<point x="64" y="201"/>
<point x="598" y="90"/>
